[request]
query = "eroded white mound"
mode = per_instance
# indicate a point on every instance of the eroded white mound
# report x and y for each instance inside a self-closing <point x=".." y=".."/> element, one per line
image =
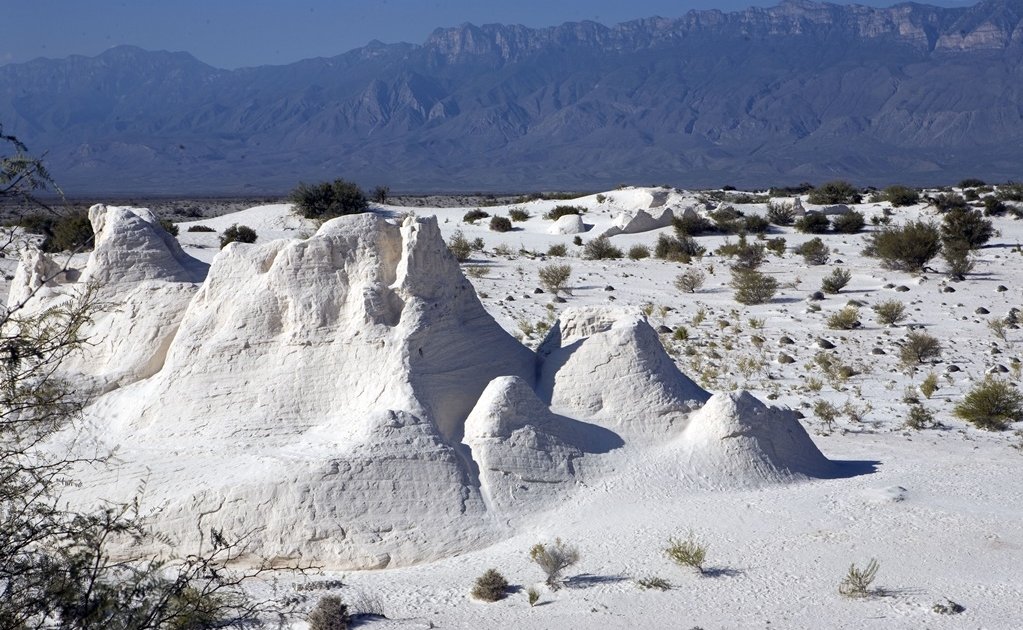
<point x="609" y="365"/>
<point x="736" y="440"/>
<point x="568" y="224"/>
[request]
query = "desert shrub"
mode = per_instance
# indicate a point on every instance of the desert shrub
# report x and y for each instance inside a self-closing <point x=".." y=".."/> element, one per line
<point x="752" y="287"/>
<point x="728" y="220"/>
<point x="992" y="404"/>
<point x="687" y="552"/>
<point x="814" y="251"/>
<point x="826" y="412"/>
<point x="557" y="250"/>
<point x="577" y="240"/>
<point x="836" y="281"/>
<point x="532" y="596"/>
<point x="200" y="228"/>
<point x="845" y="319"/>
<point x="856" y="582"/>
<point x="919" y="417"/>
<point x="957" y="260"/>
<point x="559" y="211"/>
<point x="169" y="227"/>
<point x="971" y="182"/>
<point x="813" y="223"/>
<point x="929" y="385"/>
<point x="994" y="207"/>
<point x="905" y="248"/>
<point x="601" y="248"/>
<point x="601" y="198"/>
<point x="919" y="347"/>
<point x="756" y="224"/>
<point x="554" y="276"/>
<point x="745" y="255"/>
<point x="475" y="215"/>
<point x="780" y="213"/>
<point x="638" y="252"/>
<point x="490" y="587"/>
<point x="477" y="244"/>
<point x="381" y="193"/>
<point x="967" y="226"/>
<point x="553" y="559"/>
<point x="900" y="196"/>
<point x="237" y="234"/>
<point x="848" y="223"/>
<point x="329" y="614"/>
<point x="691" y="225"/>
<point x="690" y="280"/>
<point x="1012" y="191"/>
<point x="460" y="246"/>
<point x="776" y="246"/>
<point x="654" y="582"/>
<point x="890" y="312"/>
<point x="948" y="201"/>
<point x="518" y="215"/>
<point x="327" y="200"/>
<point x="679" y="248"/>
<point x="66" y="232"/>
<point x="500" y="224"/>
<point x="834" y="192"/>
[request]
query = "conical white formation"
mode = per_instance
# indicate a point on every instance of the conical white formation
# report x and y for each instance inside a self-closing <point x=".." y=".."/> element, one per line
<point x="609" y="365"/>
<point x="360" y="351"/>
<point x="736" y="440"/>
<point x="568" y="224"/>
<point x="142" y="281"/>
<point x="520" y="447"/>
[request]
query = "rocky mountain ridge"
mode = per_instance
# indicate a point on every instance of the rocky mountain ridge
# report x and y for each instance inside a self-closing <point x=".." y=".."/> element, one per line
<point x="802" y="90"/>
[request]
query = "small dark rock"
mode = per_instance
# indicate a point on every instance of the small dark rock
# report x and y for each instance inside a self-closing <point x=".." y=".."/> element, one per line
<point x="953" y="368"/>
<point x="609" y="288"/>
<point x="824" y="344"/>
<point x="878" y="351"/>
<point x="537" y="291"/>
<point x="816" y="295"/>
<point x="557" y="299"/>
<point x="663" y="330"/>
<point x="1002" y="288"/>
<point x="785" y="341"/>
<point x="509" y="298"/>
<point x="901" y="288"/>
<point x="785" y="359"/>
<point x="981" y="311"/>
<point x="948" y="290"/>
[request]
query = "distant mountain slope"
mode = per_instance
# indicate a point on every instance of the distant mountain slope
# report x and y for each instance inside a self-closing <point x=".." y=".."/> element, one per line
<point x="800" y="91"/>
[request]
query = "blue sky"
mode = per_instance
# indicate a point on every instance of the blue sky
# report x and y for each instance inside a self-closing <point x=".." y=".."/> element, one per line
<point x="235" y="33"/>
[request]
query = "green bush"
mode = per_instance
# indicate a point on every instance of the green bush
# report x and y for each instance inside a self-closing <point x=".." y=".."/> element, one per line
<point x="677" y="249"/>
<point x="992" y="405"/>
<point x="848" y="223"/>
<point x="690" y="280"/>
<point x="460" y="246"/>
<point x="601" y="248"/>
<point x="327" y="200"/>
<point x="900" y="196"/>
<point x="559" y="211"/>
<point x="746" y="255"/>
<point x="687" y="552"/>
<point x="554" y="276"/>
<point x="728" y="220"/>
<point x="856" y="582"/>
<point x="966" y="226"/>
<point x="1012" y="191"/>
<point x="834" y="192"/>
<point x="237" y="234"/>
<point x="845" y="319"/>
<point x="949" y="201"/>
<point x="474" y="215"/>
<point x="692" y="225"/>
<point x="905" y="248"/>
<point x="994" y="207"/>
<point x="813" y="223"/>
<point x="518" y="215"/>
<point x="890" y="312"/>
<point x="200" y="228"/>
<point x="971" y="183"/>
<point x="638" y="252"/>
<point x="776" y="246"/>
<point x="836" y="281"/>
<point x="814" y="251"/>
<point x="329" y="614"/>
<point x="752" y="287"/>
<point x="557" y="250"/>
<point x="919" y="347"/>
<point x="756" y="224"/>
<point x="957" y="260"/>
<point x="169" y="227"/>
<point x="490" y="587"/>
<point x="553" y="559"/>
<point x="501" y="224"/>
<point x="780" y="214"/>
<point x="380" y="194"/>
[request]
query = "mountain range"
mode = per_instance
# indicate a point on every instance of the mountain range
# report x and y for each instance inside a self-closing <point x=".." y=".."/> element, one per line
<point x="802" y="91"/>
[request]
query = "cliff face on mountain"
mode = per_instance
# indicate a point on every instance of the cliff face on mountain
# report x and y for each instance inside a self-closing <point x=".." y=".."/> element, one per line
<point x="800" y="91"/>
